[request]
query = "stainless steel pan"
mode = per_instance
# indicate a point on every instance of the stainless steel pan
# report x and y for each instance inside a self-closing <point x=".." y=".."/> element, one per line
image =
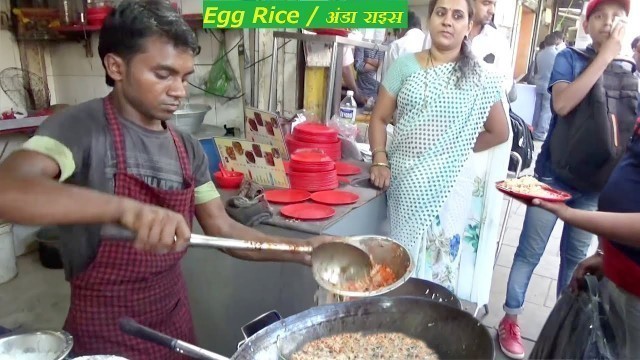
<point x="451" y="332"/>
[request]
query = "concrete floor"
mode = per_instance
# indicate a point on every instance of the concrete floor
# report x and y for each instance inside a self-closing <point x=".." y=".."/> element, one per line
<point x="38" y="298"/>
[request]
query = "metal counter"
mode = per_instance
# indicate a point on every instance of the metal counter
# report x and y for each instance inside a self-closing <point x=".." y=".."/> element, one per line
<point x="226" y="293"/>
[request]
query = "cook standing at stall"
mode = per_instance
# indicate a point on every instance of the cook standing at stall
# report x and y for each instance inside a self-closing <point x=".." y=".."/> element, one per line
<point x="124" y="188"/>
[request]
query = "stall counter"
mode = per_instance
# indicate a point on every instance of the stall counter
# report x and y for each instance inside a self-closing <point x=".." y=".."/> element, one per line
<point x="226" y="293"/>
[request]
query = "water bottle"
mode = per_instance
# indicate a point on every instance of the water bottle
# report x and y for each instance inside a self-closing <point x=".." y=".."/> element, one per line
<point x="348" y="108"/>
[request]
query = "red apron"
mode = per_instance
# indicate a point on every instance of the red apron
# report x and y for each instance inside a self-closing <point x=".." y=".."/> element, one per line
<point x="123" y="281"/>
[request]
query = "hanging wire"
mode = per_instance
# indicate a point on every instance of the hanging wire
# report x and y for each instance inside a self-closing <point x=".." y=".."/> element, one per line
<point x="226" y="55"/>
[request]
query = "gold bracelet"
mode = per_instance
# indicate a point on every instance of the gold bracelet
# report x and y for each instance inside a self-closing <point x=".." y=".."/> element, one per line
<point x="381" y="164"/>
<point x="374" y="152"/>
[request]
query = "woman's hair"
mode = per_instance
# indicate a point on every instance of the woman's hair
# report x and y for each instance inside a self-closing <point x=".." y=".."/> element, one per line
<point x="466" y="66"/>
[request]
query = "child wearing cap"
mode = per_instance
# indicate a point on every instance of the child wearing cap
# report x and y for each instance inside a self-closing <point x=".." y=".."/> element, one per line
<point x="571" y="81"/>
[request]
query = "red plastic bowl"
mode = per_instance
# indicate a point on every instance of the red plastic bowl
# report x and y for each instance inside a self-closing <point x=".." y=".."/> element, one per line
<point x="100" y="10"/>
<point x="233" y="181"/>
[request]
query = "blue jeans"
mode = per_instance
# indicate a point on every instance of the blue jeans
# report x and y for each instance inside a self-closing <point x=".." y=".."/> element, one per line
<point x="536" y="230"/>
<point x="541" y="115"/>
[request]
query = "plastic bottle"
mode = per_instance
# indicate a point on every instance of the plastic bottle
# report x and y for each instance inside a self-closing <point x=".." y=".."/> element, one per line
<point x="348" y="107"/>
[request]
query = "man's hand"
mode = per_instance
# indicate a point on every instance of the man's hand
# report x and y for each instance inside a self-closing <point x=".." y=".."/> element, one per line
<point x="157" y="229"/>
<point x="559" y="209"/>
<point x="612" y="47"/>
<point x="591" y="265"/>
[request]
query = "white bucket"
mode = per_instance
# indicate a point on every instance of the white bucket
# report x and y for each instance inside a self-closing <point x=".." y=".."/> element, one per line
<point x="8" y="266"/>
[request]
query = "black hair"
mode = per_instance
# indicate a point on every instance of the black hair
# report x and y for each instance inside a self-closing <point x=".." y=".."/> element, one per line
<point x="467" y="64"/>
<point x="134" y="21"/>
<point x="635" y="42"/>
<point x="413" y="21"/>
<point x="542" y="45"/>
<point x="558" y="35"/>
<point x="550" y="40"/>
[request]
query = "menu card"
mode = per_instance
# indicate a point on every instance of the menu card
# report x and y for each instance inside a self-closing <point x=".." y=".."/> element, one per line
<point x="263" y="127"/>
<point x="261" y="163"/>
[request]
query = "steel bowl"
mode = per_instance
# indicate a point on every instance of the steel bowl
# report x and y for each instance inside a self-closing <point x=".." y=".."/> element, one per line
<point x="384" y="251"/>
<point x="189" y="117"/>
<point x="46" y="345"/>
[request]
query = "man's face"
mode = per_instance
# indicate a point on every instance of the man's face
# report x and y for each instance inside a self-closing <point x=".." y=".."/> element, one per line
<point x="484" y="10"/>
<point x="154" y="81"/>
<point x="599" y="25"/>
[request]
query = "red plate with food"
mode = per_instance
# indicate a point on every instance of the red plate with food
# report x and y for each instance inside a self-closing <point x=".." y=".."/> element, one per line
<point x="308" y="211"/>
<point x="527" y="188"/>
<point x="287" y="196"/>
<point x="335" y="197"/>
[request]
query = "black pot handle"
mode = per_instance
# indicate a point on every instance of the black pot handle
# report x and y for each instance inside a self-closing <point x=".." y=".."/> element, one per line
<point x="133" y="328"/>
<point x="259" y="323"/>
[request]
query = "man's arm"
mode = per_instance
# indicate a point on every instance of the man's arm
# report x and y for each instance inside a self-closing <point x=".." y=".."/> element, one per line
<point x="31" y="195"/>
<point x="623" y="228"/>
<point x="566" y="96"/>
<point x="216" y="222"/>
<point x="361" y="64"/>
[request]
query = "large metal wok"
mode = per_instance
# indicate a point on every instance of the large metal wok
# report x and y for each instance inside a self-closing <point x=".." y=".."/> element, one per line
<point x="451" y="332"/>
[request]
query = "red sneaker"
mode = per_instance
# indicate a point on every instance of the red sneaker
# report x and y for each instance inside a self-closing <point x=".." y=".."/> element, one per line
<point x="510" y="340"/>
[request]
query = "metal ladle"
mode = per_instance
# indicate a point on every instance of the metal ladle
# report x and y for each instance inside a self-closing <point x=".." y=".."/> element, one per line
<point x="333" y="264"/>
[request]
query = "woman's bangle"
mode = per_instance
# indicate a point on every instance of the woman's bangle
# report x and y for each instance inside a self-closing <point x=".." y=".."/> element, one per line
<point x="380" y="164"/>
<point x="374" y="152"/>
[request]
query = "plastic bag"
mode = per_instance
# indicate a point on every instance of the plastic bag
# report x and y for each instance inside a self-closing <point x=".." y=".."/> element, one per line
<point x="577" y="328"/>
<point x="222" y="81"/>
<point x="348" y="130"/>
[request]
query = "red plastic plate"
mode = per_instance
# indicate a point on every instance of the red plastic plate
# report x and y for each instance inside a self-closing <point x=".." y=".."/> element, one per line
<point x="313" y="128"/>
<point x="310" y="157"/>
<point x="345" y="169"/>
<point x="335" y="197"/>
<point x="552" y="195"/>
<point x="308" y="211"/>
<point x="288" y="196"/>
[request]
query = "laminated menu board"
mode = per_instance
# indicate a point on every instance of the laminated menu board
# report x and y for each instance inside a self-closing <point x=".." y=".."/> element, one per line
<point x="261" y="163"/>
<point x="263" y="127"/>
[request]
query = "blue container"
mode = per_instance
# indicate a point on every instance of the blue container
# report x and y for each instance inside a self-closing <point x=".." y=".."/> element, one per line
<point x="211" y="151"/>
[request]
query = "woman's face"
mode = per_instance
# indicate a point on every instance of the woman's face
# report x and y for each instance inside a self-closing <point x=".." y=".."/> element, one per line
<point x="449" y="24"/>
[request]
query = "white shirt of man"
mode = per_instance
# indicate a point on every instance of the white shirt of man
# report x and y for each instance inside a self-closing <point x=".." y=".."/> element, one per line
<point x="492" y="49"/>
<point x="412" y="42"/>
<point x="347" y="56"/>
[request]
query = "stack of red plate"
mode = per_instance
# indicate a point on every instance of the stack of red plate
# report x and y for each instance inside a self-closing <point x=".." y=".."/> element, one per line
<point x="312" y="170"/>
<point x="315" y="136"/>
<point x="315" y="133"/>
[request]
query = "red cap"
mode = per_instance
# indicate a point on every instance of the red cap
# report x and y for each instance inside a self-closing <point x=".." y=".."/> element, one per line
<point x="593" y="4"/>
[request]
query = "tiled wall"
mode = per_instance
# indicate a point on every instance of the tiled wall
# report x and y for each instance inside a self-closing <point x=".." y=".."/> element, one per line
<point x="75" y="78"/>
